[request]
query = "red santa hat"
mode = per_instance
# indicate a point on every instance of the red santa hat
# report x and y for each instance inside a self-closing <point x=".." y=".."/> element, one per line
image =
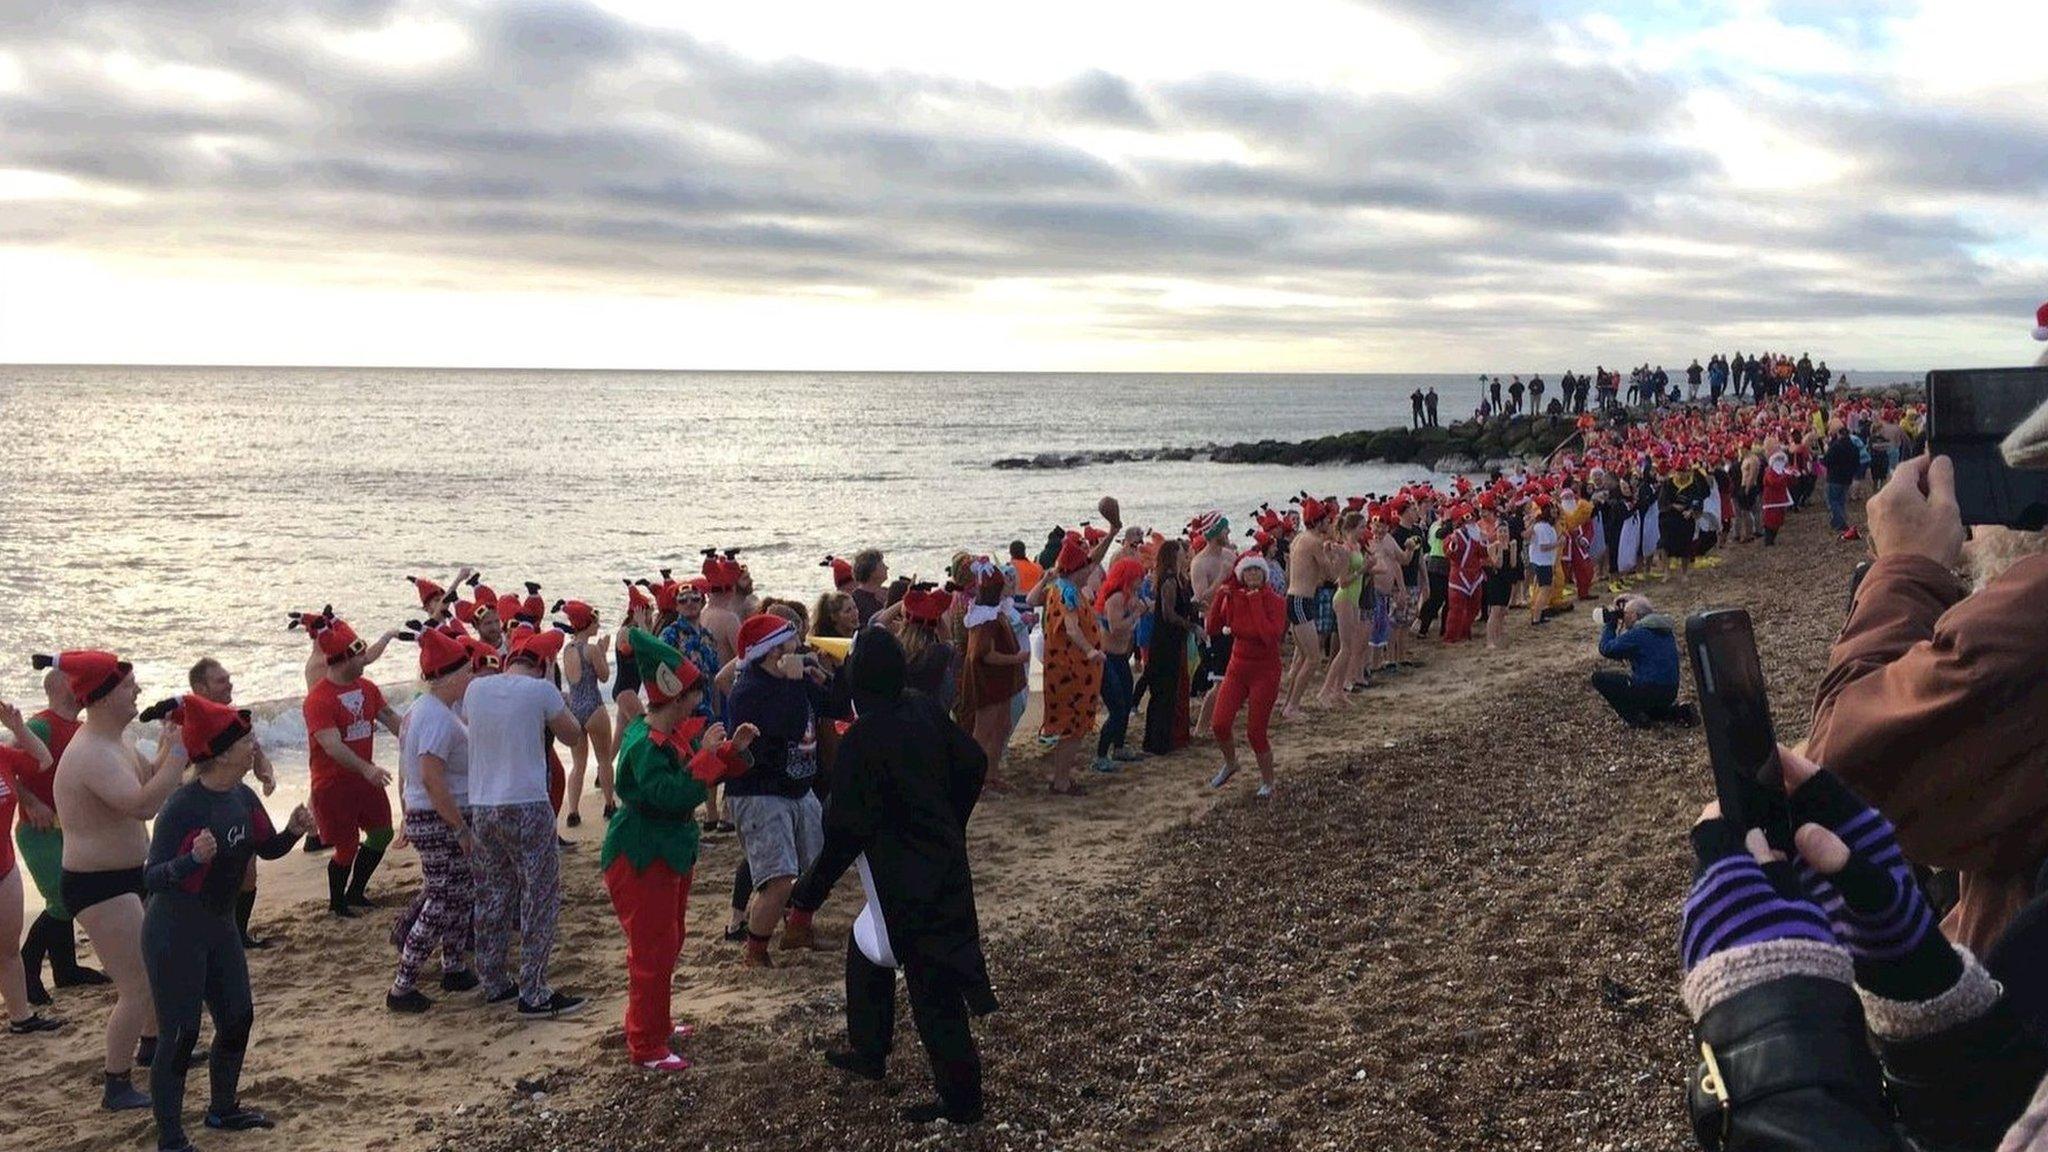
<point x="721" y="570"/>
<point x="842" y="572"/>
<point x="925" y="604"/>
<point x="484" y="657"/>
<point x="636" y="598"/>
<point x="537" y="646"/>
<point x="441" y="654"/>
<point x="482" y="595"/>
<point x="89" y="674"/>
<point x="577" y="613"/>
<point x="466" y="611"/>
<point x="1074" y="554"/>
<point x="763" y="633"/>
<point x="431" y="594"/>
<point x="207" y="729"/>
<point x="335" y="639"/>
<point x="1247" y="562"/>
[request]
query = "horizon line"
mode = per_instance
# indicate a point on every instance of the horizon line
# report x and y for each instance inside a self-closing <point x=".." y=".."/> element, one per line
<point x="796" y="371"/>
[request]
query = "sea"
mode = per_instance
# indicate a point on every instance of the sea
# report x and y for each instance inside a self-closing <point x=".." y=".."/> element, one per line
<point x="178" y="512"/>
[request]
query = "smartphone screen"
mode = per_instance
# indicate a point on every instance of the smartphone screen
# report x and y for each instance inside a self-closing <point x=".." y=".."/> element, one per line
<point x="1736" y="713"/>
<point x="1969" y="411"/>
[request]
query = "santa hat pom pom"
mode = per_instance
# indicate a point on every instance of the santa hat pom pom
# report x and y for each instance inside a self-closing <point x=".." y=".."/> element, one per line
<point x="532" y="589"/>
<point x="167" y="707"/>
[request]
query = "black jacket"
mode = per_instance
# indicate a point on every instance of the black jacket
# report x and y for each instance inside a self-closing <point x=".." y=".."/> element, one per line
<point x="903" y="785"/>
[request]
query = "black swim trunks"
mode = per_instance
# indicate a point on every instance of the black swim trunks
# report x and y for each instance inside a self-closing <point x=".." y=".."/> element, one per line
<point x="1301" y="610"/>
<point x="82" y="890"/>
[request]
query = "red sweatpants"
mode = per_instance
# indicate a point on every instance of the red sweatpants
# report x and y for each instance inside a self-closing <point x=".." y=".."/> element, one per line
<point x="1582" y="576"/>
<point x="1464" y="607"/>
<point x="650" y="905"/>
<point x="1258" y="685"/>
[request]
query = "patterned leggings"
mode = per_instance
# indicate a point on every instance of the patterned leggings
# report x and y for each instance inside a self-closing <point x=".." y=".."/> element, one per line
<point x="516" y="862"/>
<point x="440" y="914"/>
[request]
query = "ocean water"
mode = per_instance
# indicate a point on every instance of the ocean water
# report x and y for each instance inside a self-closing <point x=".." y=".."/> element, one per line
<point x="171" y="513"/>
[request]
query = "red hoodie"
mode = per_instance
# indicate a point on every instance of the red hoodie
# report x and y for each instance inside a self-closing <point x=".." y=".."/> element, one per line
<point x="1257" y="622"/>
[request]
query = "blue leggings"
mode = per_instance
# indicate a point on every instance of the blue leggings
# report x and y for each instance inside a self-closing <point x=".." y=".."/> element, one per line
<point x="1118" y="696"/>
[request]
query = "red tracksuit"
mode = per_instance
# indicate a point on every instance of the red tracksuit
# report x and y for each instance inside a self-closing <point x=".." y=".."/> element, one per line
<point x="1257" y="622"/>
<point x="1468" y="581"/>
<point x="1578" y="558"/>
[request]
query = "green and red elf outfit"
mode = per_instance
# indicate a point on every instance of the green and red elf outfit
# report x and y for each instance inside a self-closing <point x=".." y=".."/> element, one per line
<point x="668" y="763"/>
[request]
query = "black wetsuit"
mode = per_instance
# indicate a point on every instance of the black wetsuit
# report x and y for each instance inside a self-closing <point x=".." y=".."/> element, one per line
<point x="191" y="946"/>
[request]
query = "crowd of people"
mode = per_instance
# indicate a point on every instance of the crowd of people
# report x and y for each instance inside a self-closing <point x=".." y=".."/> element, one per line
<point x="856" y="731"/>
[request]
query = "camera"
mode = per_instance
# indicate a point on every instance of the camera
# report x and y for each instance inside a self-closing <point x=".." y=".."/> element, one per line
<point x="1610" y="616"/>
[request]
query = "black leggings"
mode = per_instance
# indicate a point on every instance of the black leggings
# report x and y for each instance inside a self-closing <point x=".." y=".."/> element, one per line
<point x="1635" y="703"/>
<point x="194" y="955"/>
<point x="1433" y="602"/>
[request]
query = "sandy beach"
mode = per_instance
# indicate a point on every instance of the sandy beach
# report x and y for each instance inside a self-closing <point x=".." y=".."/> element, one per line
<point x="1452" y="929"/>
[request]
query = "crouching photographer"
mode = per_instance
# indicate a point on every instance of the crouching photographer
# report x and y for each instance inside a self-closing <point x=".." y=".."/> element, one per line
<point x="1647" y="693"/>
<point x="1830" y="1011"/>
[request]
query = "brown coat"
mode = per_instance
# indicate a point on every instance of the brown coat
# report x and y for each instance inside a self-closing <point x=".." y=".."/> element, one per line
<point x="1935" y="709"/>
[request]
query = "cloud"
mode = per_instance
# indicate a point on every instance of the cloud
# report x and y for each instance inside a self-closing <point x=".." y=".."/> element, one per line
<point x="561" y="143"/>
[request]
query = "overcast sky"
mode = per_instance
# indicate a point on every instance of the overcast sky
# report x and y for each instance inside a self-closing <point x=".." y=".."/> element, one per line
<point x="1108" y="184"/>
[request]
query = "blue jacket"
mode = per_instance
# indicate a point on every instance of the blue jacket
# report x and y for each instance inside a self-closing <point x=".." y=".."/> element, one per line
<point x="1651" y="649"/>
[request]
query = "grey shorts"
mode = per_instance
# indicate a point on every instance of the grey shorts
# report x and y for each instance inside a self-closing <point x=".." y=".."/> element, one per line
<point x="780" y="836"/>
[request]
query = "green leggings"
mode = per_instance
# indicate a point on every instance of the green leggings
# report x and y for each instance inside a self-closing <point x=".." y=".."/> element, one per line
<point x="42" y="851"/>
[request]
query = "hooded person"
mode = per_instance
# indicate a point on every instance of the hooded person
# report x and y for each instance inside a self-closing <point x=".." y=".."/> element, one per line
<point x="669" y="760"/>
<point x="905" y="782"/>
<point x="203" y="840"/>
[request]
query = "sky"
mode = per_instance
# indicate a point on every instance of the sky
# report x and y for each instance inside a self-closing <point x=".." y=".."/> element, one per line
<point x="1294" y="185"/>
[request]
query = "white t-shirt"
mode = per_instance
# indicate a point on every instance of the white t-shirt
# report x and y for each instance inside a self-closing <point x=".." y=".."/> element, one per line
<point x="508" y="717"/>
<point x="432" y="728"/>
<point x="1542" y="544"/>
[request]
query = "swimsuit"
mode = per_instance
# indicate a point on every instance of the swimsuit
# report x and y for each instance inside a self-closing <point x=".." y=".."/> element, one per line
<point x="1301" y="610"/>
<point x="625" y="673"/>
<point x="83" y="890"/>
<point x="584" y="698"/>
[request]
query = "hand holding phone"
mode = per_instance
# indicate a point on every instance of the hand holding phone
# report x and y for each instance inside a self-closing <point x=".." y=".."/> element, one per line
<point x="1969" y="412"/>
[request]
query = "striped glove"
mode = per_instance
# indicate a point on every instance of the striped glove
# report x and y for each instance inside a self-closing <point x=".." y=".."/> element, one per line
<point x="1873" y="902"/>
<point x="1736" y="901"/>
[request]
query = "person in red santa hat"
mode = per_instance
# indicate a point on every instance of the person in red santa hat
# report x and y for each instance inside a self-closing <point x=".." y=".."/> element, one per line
<point x="316" y="658"/>
<point x="584" y="670"/>
<point x="104" y="793"/>
<point x="626" y="681"/>
<point x="722" y="614"/>
<point x="1465" y="549"/>
<point x="204" y="837"/>
<point x="434" y="785"/>
<point x="1254" y="616"/>
<point x="1314" y="559"/>
<point x="438" y="601"/>
<point x="342" y="712"/>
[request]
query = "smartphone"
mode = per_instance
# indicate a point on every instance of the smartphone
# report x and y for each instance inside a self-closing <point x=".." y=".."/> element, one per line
<point x="1969" y="411"/>
<point x="1748" y="779"/>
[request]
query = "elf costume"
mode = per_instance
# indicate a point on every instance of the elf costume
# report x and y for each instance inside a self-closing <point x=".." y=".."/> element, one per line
<point x="650" y="846"/>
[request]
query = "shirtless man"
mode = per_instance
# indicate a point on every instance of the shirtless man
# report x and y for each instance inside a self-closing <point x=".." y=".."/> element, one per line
<point x="210" y="679"/>
<point x="1312" y="561"/>
<point x="104" y="793"/>
<point x="721" y="615"/>
<point x="1390" y="591"/>
<point x="1206" y="573"/>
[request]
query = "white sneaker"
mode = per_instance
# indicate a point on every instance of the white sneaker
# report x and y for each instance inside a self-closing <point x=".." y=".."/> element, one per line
<point x="1222" y="776"/>
<point x="1265" y="791"/>
<point x="668" y="1063"/>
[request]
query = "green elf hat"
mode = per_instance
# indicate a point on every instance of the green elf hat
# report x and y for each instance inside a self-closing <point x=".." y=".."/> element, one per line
<point x="664" y="674"/>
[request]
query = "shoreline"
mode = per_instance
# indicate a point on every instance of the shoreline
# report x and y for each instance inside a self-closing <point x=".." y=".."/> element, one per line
<point x="1092" y="910"/>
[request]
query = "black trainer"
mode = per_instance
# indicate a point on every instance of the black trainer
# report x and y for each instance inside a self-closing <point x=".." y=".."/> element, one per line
<point x="855" y="1064"/>
<point x="412" y="1003"/>
<point x="239" y="1119"/>
<point x="462" y="981"/>
<point x="506" y="996"/>
<point x="558" y="1004"/>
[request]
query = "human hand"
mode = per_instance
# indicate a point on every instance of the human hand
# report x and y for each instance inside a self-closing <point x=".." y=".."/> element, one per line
<point x="266" y="774"/>
<point x="401" y="841"/>
<point x="10" y="717"/>
<point x="204" y="847"/>
<point x="37" y="814"/>
<point x="743" y="738"/>
<point x="300" y="821"/>
<point x="1851" y="866"/>
<point x="1743" y="893"/>
<point x="1916" y="513"/>
<point x="378" y="776"/>
<point x="713" y="736"/>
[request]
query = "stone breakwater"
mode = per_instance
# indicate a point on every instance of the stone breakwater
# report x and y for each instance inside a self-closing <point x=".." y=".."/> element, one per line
<point x="1470" y="446"/>
<point x="1460" y="447"/>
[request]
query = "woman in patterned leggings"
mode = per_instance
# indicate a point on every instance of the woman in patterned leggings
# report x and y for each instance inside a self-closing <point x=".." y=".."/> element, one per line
<point x="434" y="768"/>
